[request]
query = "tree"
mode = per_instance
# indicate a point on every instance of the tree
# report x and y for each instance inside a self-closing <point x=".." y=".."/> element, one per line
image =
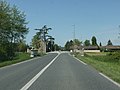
<point x="21" y="46"/>
<point x="77" y="42"/>
<point x="71" y="43"/>
<point x="36" y="41"/>
<point x="44" y="32"/>
<point x="57" y="47"/>
<point x="67" y="46"/>
<point x="4" y="29"/>
<point x="109" y="42"/>
<point x="100" y="44"/>
<point x="12" y="29"/>
<point x="87" y="43"/>
<point x="94" y="41"/>
<point x="18" y="25"/>
<point x="43" y="40"/>
<point x="50" y="43"/>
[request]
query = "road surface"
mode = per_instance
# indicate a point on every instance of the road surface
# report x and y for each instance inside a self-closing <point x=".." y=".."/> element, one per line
<point x="53" y="72"/>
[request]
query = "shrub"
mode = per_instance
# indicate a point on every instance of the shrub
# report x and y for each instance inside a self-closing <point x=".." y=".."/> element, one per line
<point x="114" y="56"/>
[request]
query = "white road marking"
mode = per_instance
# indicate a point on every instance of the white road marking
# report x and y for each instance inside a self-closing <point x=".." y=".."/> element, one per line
<point x="100" y="73"/>
<point x="38" y="75"/>
<point x="80" y="61"/>
<point x="110" y="79"/>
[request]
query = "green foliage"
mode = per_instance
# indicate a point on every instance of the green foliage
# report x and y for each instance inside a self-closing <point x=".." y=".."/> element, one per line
<point x="68" y="45"/>
<point x="87" y="43"/>
<point x="77" y="42"/>
<point x="18" y="58"/>
<point x="94" y="41"/>
<point x="41" y="54"/>
<point x="109" y="42"/>
<point x="21" y="46"/>
<point x="56" y="47"/>
<point x="43" y="37"/>
<point x="100" y="44"/>
<point x="36" y="40"/>
<point x="113" y="57"/>
<point x="12" y="29"/>
<point x="71" y="43"/>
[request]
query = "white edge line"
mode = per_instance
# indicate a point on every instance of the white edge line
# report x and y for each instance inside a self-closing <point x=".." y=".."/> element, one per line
<point x="100" y="73"/>
<point x="78" y="59"/>
<point x="110" y="79"/>
<point x="38" y="75"/>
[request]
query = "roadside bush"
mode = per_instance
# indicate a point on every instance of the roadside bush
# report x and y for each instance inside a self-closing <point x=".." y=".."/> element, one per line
<point x="114" y="56"/>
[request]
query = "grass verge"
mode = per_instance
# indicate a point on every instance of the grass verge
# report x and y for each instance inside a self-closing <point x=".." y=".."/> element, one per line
<point x="103" y="64"/>
<point x="18" y="58"/>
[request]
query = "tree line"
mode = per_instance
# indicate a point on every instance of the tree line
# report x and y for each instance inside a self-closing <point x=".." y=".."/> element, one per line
<point x="77" y="42"/>
<point x="12" y="30"/>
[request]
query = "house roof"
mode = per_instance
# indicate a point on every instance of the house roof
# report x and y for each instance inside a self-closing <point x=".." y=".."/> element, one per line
<point x="85" y="47"/>
<point x="91" y="47"/>
<point x="111" y="47"/>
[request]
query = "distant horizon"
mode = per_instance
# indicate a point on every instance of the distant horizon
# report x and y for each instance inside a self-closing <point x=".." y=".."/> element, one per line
<point x="90" y="17"/>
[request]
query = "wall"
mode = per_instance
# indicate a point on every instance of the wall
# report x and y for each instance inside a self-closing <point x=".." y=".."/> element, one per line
<point x="91" y="50"/>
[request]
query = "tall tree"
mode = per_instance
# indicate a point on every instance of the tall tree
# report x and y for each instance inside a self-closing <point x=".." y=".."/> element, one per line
<point x="77" y="42"/>
<point x="87" y="43"/>
<point x="4" y="29"/>
<point x="67" y="46"/>
<point x="109" y="42"/>
<point x="44" y="32"/>
<point x="47" y="41"/>
<point x="12" y="28"/>
<point x="94" y="41"/>
<point x="100" y="44"/>
<point x="36" y="41"/>
<point x="57" y="47"/>
<point x="71" y="43"/>
<point x="21" y="46"/>
<point x="50" y="43"/>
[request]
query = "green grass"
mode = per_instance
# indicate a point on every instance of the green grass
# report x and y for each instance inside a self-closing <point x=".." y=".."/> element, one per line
<point x="97" y="53"/>
<point x="18" y="58"/>
<point x="104" y="64"/>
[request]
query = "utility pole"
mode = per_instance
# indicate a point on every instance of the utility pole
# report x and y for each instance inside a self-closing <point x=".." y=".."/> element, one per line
<point x="73" y="31"/>
<point x="73" y="37"/>
<point x="119" y="32"/>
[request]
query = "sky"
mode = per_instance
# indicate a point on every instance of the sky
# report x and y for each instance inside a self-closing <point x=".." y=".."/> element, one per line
<point x="100" y="18"/>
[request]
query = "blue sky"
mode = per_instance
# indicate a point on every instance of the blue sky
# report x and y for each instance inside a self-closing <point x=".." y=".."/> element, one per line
<point x="99" y="18"/>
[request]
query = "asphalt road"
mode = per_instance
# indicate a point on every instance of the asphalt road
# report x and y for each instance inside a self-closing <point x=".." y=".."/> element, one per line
<point x="65" y="73"/>
<point x="15" y="77"/>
